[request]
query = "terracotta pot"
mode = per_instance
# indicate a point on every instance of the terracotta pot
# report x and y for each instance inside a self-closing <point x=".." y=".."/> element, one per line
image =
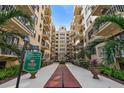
<point x="33" y="75"/>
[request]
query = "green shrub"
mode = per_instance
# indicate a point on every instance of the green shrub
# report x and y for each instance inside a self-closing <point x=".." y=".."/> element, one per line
<point x="9" y="72"/>
<point x="62" y="62"/>
<point x="112" y="72"/>
<point x="84" y="64"/>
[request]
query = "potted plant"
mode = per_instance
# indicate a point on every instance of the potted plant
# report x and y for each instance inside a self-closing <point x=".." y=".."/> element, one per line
<point x="94" y="69"/>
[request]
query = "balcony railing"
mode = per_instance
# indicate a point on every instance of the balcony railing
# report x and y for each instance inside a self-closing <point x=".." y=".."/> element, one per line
<point x="113" y="10"/>
<point x="6" y="52"/>
<point x="25" y="23"/>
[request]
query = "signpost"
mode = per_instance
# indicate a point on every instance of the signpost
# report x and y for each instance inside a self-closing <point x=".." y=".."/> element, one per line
<point x="32" y="62"/>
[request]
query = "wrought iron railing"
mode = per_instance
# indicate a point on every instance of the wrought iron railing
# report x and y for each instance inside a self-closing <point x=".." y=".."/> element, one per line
<point x="113" y="10"/>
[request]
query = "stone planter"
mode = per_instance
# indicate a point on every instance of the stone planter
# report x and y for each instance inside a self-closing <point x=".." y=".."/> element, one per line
<point x="33" y="75"/>
<point x="95" y="73"/>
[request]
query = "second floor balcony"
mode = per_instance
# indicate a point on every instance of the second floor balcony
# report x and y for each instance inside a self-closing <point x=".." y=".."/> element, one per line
<point x="44" y="45"/>
<point x="18" y="24"/>
<point x="98" y="10"/>
<point x="77" y="10"/>
<point x="46" y="35"/>
<point x="29" y="9"/>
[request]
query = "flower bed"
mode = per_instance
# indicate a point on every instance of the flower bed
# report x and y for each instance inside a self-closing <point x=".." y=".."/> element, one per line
<point x="118" y="74"/>
<point x="9" y="72"/>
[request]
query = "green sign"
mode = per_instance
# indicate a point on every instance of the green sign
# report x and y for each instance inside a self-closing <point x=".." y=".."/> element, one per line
<point x="32" y="62"/>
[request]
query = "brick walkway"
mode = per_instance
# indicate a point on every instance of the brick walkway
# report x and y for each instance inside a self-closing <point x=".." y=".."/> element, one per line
<point x="62" y="78"/>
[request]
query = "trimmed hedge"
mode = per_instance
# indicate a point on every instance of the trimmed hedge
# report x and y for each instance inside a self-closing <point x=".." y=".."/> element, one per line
<point x="62" y="62"/>
<point x="118" y="74"/>
<point x="9" y="72"/>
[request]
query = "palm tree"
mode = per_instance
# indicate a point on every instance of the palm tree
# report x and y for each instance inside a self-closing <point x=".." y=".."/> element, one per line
<point x="88" y="50"/>
<point x="6" y="15"/>
<point x="112" y="50"/>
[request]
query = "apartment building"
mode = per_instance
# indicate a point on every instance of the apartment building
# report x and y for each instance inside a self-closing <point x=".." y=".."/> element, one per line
<point x="37" y="34"/>
<point x="61" y="45"/>
<point x="76" y="30"/>
<point x="47" y="32"/>
<point x="53" y="40"/>
<point x="106" y="30"/>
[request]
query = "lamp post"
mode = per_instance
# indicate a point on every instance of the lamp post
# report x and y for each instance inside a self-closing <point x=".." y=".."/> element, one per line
<point x="26" y="41"/>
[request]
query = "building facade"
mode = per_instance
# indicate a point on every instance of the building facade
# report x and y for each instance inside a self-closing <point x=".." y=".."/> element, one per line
<point x="76" y="31"/>
<point x="39" y="35"/>
<point x="106" y="30"/>
<point x="61" y="45"/>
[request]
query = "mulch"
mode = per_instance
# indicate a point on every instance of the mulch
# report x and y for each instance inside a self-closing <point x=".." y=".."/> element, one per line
<point x="62" y="78"/>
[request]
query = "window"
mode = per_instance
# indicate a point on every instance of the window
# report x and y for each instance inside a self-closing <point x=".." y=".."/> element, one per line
<point x="62" y="34"/>
<point x="88" y="21"/>
<point x="41" y="15"/>
<point x="38" y="38"/>
<point x="38" y="8"/>
<point x="40" y="25"/>
<point x="61" y="41"/>
<point x="100" y="51"/>
<point x="67" y="37"/>
<point x="15" y="40"/>
<point x="62" y="49"/>
<point x="36" y="19"/>
<point x="62" y="45"/>
<point x="62" y="37"/>
<point x="2" y="64"/>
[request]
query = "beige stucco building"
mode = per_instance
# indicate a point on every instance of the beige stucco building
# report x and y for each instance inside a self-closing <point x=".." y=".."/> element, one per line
<point x="76" y="31"/>
<point x="106" y="30"/>
<point x="40" y="34"/>
<point x="61" y="45"/>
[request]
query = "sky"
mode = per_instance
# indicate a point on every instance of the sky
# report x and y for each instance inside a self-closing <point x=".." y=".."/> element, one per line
<point x="62" y="15"/>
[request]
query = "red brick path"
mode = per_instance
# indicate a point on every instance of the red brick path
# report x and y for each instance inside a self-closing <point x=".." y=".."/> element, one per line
<point x="62" y="78"/>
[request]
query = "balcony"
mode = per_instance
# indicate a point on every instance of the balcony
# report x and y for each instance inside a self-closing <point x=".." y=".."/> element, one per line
<point x="47" y="10"/>
<point x="18" y="24"/>
<point x="78" y="27"/>
<point x="44" y="46"/>
<point x="78" y="19"/>
<point x="26" y="8"/>
<point x="99" y="10"/>
<point x="6" y="55"/>
<point x="47" y="19"/>
<point x="77" y="10"/>
<point x="108" y="29"/>
<point x="46" y="27"/>
<point x="46" y="35"/>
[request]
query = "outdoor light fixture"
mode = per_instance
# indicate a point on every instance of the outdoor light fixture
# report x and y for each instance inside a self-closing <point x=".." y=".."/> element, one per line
<point x="26" y="41"/>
